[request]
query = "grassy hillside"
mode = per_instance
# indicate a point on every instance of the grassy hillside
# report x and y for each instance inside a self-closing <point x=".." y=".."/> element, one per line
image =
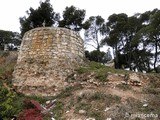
<point x="96" y="92"/>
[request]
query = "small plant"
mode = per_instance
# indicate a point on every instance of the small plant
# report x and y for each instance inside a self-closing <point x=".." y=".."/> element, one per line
<point x="98" y="96"/>
<point x="40" y="99"/>
<point x="101" y="77"/>
<point x="81" y="70"/>
<point x="108" y="98"/>
<point x="97" y="115"/>
<point x="91" y="66"/>
<point x="58" y="110"/>
<point x="8" y="106"/>
<point x="95" y="65"/>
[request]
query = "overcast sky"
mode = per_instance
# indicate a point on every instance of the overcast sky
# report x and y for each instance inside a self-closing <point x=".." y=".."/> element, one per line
<point x="11" y="10"/>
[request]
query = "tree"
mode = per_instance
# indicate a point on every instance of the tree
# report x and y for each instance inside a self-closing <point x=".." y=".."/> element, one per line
<point x="94" y="27"/>
<point x="122" y="36"/>
<point x="107" y="57"/>
<point x="129" y="42"/>
<point x="95" y="55"/>
<point x="135" y="39"/>
<point x="72" y="18"/>
<point x="36" y="17"/>
<point x="151" y="32"/>
<point x="139" y="44"/>
<point x="7" y="37"/>
<point x="115" y="34"/>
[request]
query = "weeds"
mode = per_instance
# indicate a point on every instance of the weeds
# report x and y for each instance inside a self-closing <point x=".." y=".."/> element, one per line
<point x="68" y="91"/>
<point x="91" y="66"/>
<point x="83" y="106"/>
<point x="97" y="115"/>
<point x="150" y="90"/>
<point x="107" y="98"/>
<point x="58" y="110"/>
<point x="8" y="102"/>
<point x="98" y="96"/>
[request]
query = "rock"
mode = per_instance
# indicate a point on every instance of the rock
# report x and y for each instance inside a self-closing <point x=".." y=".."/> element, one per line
<point x="107" y="108"/>
<point x="67" y="111"/>
<point x="139" y="84"/>
<point x="45" y="61"/>
<point x="124" y="82"/>
<point x="145" y="105"/>
<point x="122" y="75"/>
<point x="134" y="79"/>
<point x="47" y="102"/>
<point x="144" y="100"/>
<point x="96" y="83"/>
<point x="82" y="112"/>
<point x="109" y="119"/>
<point x="91" y="80"/>
<point x="53" y="118"/>
<point x="55" y="89"/>
<point x="75" y="75"/>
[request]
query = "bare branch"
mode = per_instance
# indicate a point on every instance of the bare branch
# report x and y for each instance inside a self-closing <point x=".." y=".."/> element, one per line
<point x="91" y="45"/>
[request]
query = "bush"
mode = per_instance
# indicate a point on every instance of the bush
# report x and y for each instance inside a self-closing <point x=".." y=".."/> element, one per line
<point x="30" y="114"/>
<point x="8" y="107"/>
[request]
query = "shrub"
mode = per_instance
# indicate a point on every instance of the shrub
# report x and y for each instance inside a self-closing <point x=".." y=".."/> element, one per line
<point x="8" y="107"/>
<point x="58" y="110"/>
<point x="30" y="114"/>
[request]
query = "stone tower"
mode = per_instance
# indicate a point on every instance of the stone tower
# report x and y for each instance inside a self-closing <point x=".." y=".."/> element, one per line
<point x="46" y="57"/>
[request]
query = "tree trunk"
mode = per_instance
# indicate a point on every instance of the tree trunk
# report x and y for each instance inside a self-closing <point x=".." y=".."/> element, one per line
<point x="116" y="61"/>
<point x="155" y="55"/>
<point x="98" y="45"/>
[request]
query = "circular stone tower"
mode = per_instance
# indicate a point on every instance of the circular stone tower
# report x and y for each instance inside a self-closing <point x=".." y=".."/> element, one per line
<point x="46" y="57"/>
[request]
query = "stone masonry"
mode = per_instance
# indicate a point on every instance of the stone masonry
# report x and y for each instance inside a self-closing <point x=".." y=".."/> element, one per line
<point x="46" y="57"/>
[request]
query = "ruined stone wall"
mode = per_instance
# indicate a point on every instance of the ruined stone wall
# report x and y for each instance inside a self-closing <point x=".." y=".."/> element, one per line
<point x="46" y="57"/>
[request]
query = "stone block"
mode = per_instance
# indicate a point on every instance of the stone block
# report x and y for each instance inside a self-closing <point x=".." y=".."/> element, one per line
<point x="43" y="62"/>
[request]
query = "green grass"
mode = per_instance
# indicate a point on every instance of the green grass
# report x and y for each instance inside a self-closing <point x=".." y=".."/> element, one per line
<point x="97" y="115"/>
<point x="101" y="71"/>
<point x="98" y="96"/>
<point x="67" y="92"/>
<point x="58" y="110"/>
